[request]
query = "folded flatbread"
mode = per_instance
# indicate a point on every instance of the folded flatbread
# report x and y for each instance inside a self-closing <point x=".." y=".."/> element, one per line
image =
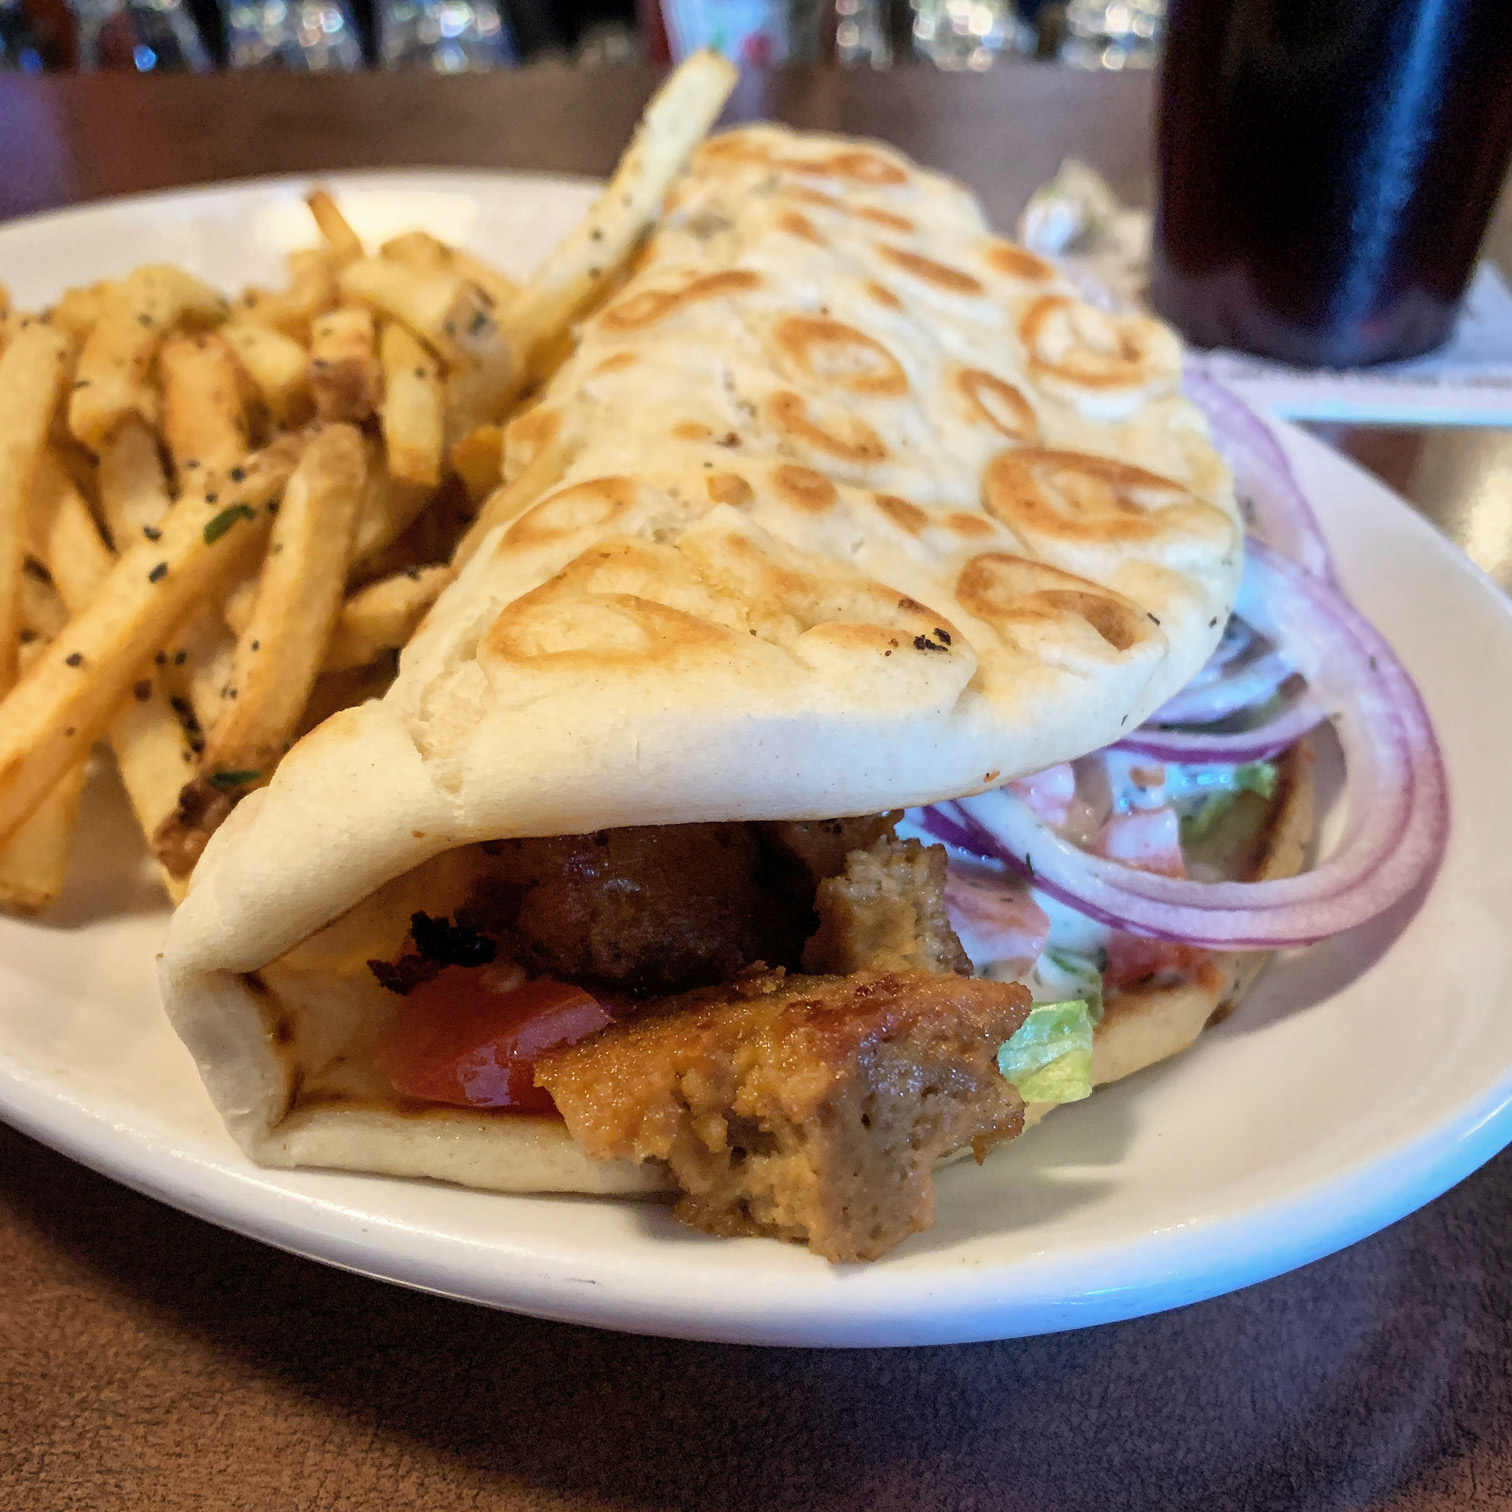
<point x="847" y="505"/>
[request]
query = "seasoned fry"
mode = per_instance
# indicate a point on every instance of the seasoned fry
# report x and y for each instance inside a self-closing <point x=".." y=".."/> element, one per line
<point x="114" y="373"/>
<point x="277" y="365"/>
<point x="78" y="311"/>
<point x="133" y="488"/>
<point x="200" y="657"/>
<point x="66" y="701"/>
<point x="480" y="392"/>
<point x="33" y="370"/>
<point x="43" y="613"/>
<point x="34" y="860"/>
<point x="312" y="291"/>
<point x="150" y="745"/>
<point x="204" y="418"/>
<point x="449" y="313"/>
<point x="344" y="373"/>
<point x="413" y="422"/>
<point x="513" y="498"/>
<point x="240" y="601"/>
<point x="499" y="287"/>
<point x="389" y="507"/>
<point x="478" y="459"/>
<point x="675" y="122"/>
<point x="423" y="253"/>
<point x="383" y="616"/>
<point x="343" y="243"/>
<point x="280" y="654"/>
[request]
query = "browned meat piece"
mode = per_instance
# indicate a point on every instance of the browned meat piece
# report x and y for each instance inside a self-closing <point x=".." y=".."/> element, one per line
<point x="654" y="909"/>
<point x="812" y="1109"/>
<point x="823" y="844"/>
<point x="886" y="912"/>
<point x="666" y="908"/>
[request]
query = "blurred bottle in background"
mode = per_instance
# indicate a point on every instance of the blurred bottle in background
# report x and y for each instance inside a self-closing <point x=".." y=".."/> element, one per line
<point x="24" y="46"/>
<point x="142" y="36"/>
<point x="1327" y="170"/>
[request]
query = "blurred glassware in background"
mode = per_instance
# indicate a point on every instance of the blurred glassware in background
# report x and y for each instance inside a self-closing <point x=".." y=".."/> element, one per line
<point x="307" y="36"/>
<point x="446" y="36"/>
<point x="1112" y="34"/>
<point x="1327" y="172"/>
<point x="965" y="33"/>
<point x="147" y="36"/>
<point x="608" y="44"/>
<point x="861" y="34"/>
<point x="23" y="49"/>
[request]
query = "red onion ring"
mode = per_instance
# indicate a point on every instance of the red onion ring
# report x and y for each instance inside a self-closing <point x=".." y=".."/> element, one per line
<point x="1301" y="715"/>
<point x="1398" y="820"/>
<point x="1283" y="517"/>
<point x="1236" y="688"/>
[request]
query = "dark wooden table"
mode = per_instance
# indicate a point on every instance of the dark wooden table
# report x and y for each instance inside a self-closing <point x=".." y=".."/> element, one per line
<point x="150" y="1361"/>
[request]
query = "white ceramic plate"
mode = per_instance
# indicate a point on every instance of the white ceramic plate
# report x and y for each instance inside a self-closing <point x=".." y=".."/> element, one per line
<point x="1356" y="1082"/>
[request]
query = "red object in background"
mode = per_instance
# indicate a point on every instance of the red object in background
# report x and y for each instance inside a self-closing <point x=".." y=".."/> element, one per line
<point x="653" y="30"/>
<point x="457" y="1040"/>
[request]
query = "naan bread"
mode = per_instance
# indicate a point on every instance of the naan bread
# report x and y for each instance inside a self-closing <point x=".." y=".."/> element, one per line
<point x="860" y="508"/>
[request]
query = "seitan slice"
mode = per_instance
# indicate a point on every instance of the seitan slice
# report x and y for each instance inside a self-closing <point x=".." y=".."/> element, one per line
<point x="886" y="912"/>
<point x="811" y="1109"/>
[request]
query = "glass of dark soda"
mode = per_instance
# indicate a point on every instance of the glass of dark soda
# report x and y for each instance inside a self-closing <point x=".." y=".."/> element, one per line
<point x="1327" y="170"/>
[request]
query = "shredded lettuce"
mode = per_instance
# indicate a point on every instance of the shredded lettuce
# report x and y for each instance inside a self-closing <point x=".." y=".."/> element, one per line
<point x="1049" y="1059"/>
<point x="1215" y="802"/>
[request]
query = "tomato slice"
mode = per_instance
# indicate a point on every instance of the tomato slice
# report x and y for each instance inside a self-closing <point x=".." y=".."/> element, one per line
<point x="1132" y="958"/>
<point x="458" y="1040"/>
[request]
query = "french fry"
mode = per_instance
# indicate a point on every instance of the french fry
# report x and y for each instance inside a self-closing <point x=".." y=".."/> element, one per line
<point x="676" y="120"/>
<point x="418" y="251"/>
<point x="345" y="377"/>
<point x="133" y="488"/>
<point x="277" y="365"/>
<point x="240" y="601"/>
<point x="481" y="392"/>
<point x="449" y="313"/>
<point x="499" y="287"/>
<point x="34" y="860"/>
<point x="312" y="291"/>
<point x="200" y="658"/>
<point x="280" y="654"/>
<point x="382" y="616"/>
<point x="65" y="703"/>
<point x="78" y="311"/>
<point x="479" y="460"/>
<point x="423" y="253"/>
<point x="204" y="418"/>
<point x="33" y="371"/>
<point x="389" y="507"/>
<point x="43" y="613"/>
<point x="148" y="741"/>
<point x="343" y="243"/>
<point x="413" y="421"/>
<point x="114" y="372"/>
<point x="514" y="498"/>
